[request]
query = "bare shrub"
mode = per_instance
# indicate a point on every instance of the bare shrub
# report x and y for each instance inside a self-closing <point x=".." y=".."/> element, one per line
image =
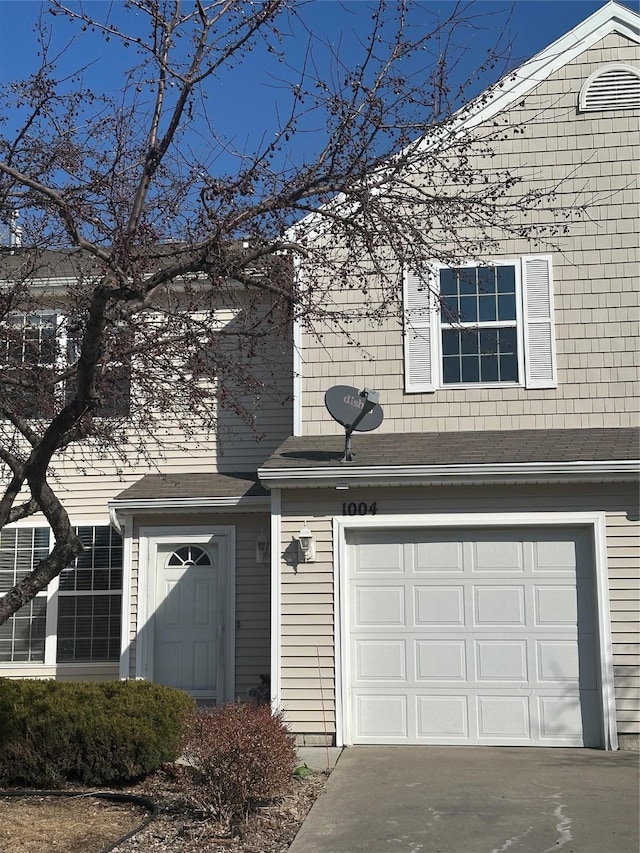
<point x="238" y="757"/>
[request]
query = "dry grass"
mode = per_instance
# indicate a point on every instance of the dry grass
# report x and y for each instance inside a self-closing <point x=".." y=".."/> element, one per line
<point x="83" y="824"/>
<point x="69" y="824"/>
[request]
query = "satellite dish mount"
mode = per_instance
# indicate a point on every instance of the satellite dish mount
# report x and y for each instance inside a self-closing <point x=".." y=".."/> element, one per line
<point x="356" y="411"/>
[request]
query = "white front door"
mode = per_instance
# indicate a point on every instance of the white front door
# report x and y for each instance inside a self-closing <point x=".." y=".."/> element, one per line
<point x="191" y="615"/>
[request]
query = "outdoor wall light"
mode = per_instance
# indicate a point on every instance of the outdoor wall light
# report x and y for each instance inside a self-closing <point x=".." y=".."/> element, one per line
<point x="306" y="545"/>
<point x="262" y="547"/>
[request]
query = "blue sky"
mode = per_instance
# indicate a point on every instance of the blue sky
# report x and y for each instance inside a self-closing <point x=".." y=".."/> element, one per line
<point x="246" y="103"/>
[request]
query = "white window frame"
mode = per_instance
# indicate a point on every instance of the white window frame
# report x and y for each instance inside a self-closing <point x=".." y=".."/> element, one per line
<point x="496" y="324"/>
<point x="535" y="327"/>
<point x="51" y="594"/>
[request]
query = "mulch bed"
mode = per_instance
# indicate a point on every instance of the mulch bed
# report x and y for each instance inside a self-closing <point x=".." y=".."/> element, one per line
<point x="81" y="823"/>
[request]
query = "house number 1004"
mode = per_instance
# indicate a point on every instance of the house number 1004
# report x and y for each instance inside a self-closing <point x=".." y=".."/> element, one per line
<point x="361" y="508"/>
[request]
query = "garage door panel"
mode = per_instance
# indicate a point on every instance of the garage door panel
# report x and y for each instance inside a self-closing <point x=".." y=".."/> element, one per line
<point x="438" y="606"/>
<point x="380" y="661"/>
<point x="476" y="636"/>
<point x="499" y="605"/>
<point x="560" y="717"/>
<point x="555" y="606"/>
<point x="503" y="717"/>
<point x="499" y="554"/>
<point x="555" y="554"/>
<point x="379" y="557"/>
<point x="442" y="717"/>
<point x="376" y="606"/>
<point x="501" y="660"/>
<point x="381" y="717"/>
<point x="441" y="555"/>
<point x="441" y="660"/>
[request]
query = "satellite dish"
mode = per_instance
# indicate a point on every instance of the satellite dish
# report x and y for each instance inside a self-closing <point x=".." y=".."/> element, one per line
<point x="354" y="410"/>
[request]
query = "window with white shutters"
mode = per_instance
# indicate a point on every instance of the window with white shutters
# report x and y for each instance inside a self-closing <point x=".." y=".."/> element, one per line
<point x="480" y="325"/>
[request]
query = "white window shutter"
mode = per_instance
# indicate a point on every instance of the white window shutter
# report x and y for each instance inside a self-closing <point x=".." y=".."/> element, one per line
<point x="539" y="332"/>
<point x="420" y="330"/>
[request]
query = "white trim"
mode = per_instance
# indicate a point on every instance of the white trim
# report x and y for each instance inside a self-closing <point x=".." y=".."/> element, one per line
<point x="154" y="505"/>
<point x="611" y="18"/>
<point x="498" y="97"/>
<point x="51" y="619"/>
<point x="297" y="358"/>
<point x="276" y="598"/>
<point x="498" y="472"/>
<point x="594" y="521"/>
<point x="125" y="529"/>
<point x="340" y="614"/>
<point x="149" y="538"/>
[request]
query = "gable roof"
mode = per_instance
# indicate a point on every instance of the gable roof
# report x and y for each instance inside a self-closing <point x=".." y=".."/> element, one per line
<point x="613" y="17"/>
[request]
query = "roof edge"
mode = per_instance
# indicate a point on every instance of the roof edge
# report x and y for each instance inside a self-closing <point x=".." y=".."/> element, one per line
<point x="474" y="474"/>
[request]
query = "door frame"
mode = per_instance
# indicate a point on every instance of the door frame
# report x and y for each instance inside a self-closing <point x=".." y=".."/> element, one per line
<point x="594" y="522"/>
<point x="149" y="538"/>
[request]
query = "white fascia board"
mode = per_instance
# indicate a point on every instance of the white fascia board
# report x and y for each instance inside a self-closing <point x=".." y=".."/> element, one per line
<point x="141" y="505"/>
<point x="609" y="19"/>
<point x="612" y="17"/>
<point x="58" y="283"/>
<point x="389" y="475"/>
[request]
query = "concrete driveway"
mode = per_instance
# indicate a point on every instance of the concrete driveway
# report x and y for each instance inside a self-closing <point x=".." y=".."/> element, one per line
<point x="476" y="800"/>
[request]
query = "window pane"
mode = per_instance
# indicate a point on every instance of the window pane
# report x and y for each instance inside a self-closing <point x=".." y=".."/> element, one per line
<point x="467" y="281"/>
<point x="468" y="309"/>
<point x="448" y="285"/>
<point x="450" y="342"/>
<point x="506" y="279"/>
<point x="486" y="280"/>
<point x="489" y="341"/>
<point x="450" y="370"/>
<point x="507" y="340"/>
<point x="470" y="368"/>
<point x="487" y="308"/>
<point x="489" y="368"/>
<point x="507" y="307"/>
<point x="508" y="368"/>
<point x="22" y="636"/>
<point x="469" y="342"/>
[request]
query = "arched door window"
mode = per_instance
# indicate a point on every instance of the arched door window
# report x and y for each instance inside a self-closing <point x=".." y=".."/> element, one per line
<point x="189" y="555"/>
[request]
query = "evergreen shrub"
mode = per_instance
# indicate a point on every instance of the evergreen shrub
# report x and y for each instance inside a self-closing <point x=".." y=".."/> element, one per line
<point x="92" y="733"/>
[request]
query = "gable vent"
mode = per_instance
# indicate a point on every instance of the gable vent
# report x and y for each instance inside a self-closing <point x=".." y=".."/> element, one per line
<point x="614" y="87"/>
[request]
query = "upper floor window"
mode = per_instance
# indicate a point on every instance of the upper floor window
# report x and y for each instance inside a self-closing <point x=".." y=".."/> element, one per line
<point x="479" y="325"/>
<point x="488" y="325"/>
<point x="612" y="87"/>
<point x="28" y="356"/>
<point x="32" y="346"/>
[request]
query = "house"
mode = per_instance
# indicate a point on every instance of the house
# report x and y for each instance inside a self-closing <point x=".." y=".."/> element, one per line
<point x="471" y="575"/>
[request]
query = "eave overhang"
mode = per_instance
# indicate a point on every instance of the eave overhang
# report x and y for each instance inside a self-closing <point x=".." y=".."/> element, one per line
<point x="119" y="509"/>
<point x="349" y="474"/>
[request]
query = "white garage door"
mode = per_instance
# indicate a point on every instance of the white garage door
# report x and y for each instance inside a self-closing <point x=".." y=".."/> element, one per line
<point x="475" y="636"/>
